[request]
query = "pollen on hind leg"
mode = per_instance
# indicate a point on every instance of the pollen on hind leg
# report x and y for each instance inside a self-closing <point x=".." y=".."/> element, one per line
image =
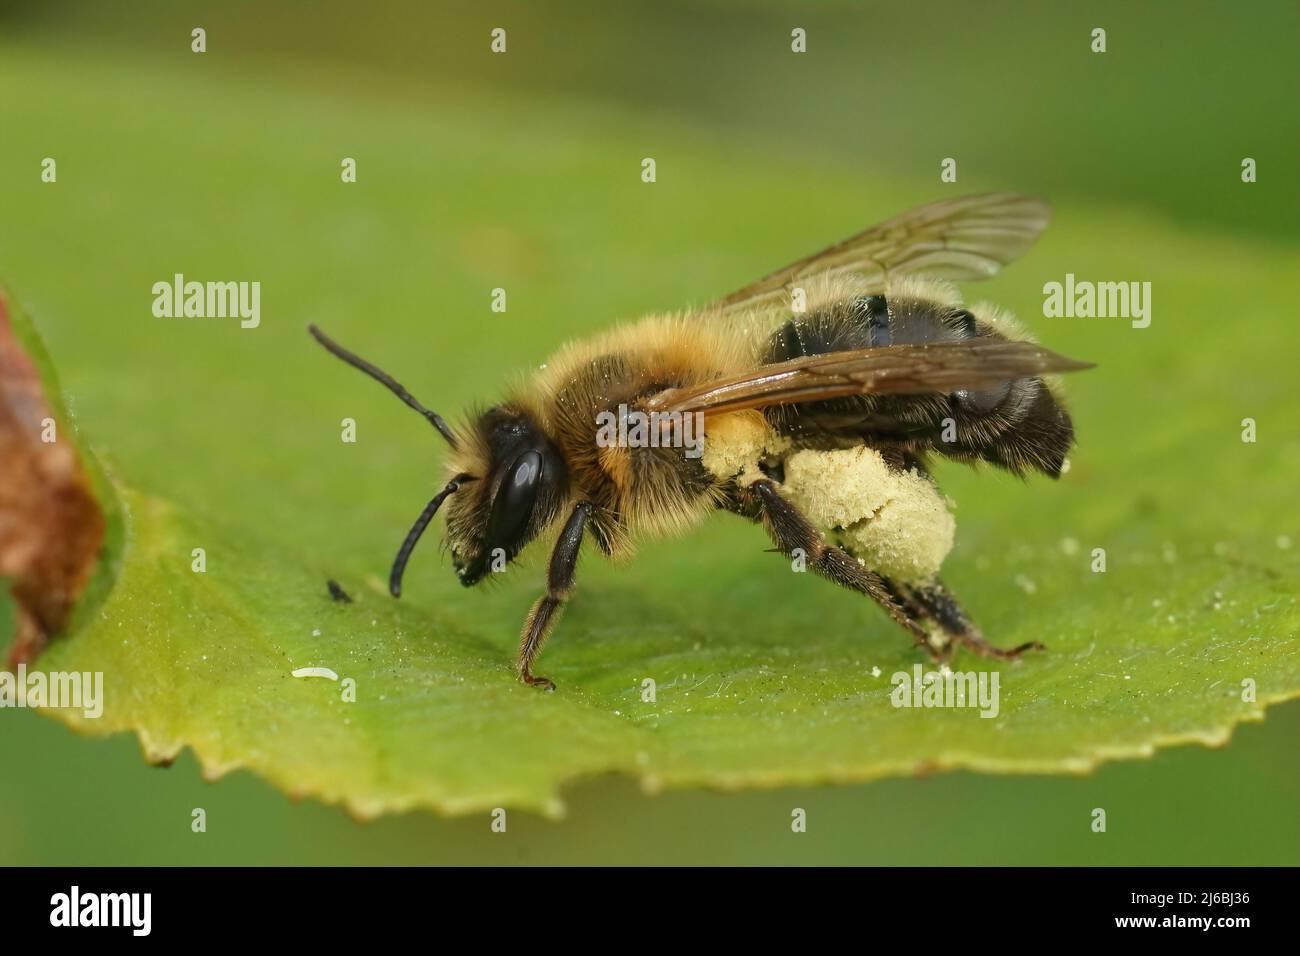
<point x="735" y="444"/>
<point x="896" y="522"/>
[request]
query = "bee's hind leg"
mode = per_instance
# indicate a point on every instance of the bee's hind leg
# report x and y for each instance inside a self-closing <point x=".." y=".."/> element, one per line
<point x="791" y="531"/>
<point x="934" y="602"/>
<point x="909" y="605"/>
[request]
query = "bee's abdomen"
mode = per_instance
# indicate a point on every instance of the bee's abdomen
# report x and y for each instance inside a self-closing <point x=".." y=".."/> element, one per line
<point x="869" y="321"/>
<point x="1017" y="425"/>
<point x="861" y="322"/>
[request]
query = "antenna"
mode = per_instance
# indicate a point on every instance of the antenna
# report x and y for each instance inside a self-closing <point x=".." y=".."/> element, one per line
<point x="417" y="529"/>
<point x="390" y="383"/>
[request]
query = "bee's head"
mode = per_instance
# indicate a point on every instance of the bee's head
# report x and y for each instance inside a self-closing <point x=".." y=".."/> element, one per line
<point x="509" y="482"/>
<point x="520" y="489"/>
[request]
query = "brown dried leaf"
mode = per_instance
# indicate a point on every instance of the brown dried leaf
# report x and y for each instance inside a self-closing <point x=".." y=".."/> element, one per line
<point x="51" y="526"/>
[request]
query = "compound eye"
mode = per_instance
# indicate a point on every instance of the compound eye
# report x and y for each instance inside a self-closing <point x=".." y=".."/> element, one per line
<point x="514" y="501"/>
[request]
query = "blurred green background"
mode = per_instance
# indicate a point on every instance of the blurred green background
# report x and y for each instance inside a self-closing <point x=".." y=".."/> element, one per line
<point x="522" y="170"/>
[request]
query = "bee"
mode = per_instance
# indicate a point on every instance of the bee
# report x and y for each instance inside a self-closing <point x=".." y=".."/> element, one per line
<point x="852" y="368"/>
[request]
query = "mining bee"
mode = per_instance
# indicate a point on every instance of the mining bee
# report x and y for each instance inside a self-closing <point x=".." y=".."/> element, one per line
<point x="823" y="390"/>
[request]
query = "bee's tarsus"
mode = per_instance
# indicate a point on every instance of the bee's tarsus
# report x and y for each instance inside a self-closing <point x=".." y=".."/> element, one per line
<point x="976" y="644"/>
<point x="535" y="680"/>
<point x="934" y="602"/>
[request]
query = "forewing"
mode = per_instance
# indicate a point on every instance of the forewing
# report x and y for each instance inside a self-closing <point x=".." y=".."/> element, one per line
<point x="942" y="367"/>
<point x="958" y="239"/>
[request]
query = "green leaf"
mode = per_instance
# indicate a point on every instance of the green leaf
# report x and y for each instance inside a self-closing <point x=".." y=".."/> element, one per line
<point x="228" y="440"/>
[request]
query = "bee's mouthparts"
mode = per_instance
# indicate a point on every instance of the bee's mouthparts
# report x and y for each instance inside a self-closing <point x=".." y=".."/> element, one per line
<point x="470" y="574"/>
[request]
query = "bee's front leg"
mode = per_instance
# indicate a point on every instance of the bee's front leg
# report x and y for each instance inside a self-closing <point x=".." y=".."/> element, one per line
<point x="559" y="582"/>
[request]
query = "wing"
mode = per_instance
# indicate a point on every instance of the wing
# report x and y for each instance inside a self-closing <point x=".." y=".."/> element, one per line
<point x="942" y="367"/>
<point x="957" y="239"/>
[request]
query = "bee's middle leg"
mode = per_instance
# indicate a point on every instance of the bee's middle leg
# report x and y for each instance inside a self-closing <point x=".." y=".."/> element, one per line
<point x="791" y="531"/>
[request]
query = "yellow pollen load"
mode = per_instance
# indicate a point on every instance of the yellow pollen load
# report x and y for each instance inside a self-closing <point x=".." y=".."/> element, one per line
<point x="896" y="522"/>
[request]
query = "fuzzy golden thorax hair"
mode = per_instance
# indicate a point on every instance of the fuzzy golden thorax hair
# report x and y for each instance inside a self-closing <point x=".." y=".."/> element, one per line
<point x="655" y="490"/>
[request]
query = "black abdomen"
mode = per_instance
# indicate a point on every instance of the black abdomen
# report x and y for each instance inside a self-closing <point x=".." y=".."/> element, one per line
<point x="869" y="322"/>
<point x="1015" y="425"/>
